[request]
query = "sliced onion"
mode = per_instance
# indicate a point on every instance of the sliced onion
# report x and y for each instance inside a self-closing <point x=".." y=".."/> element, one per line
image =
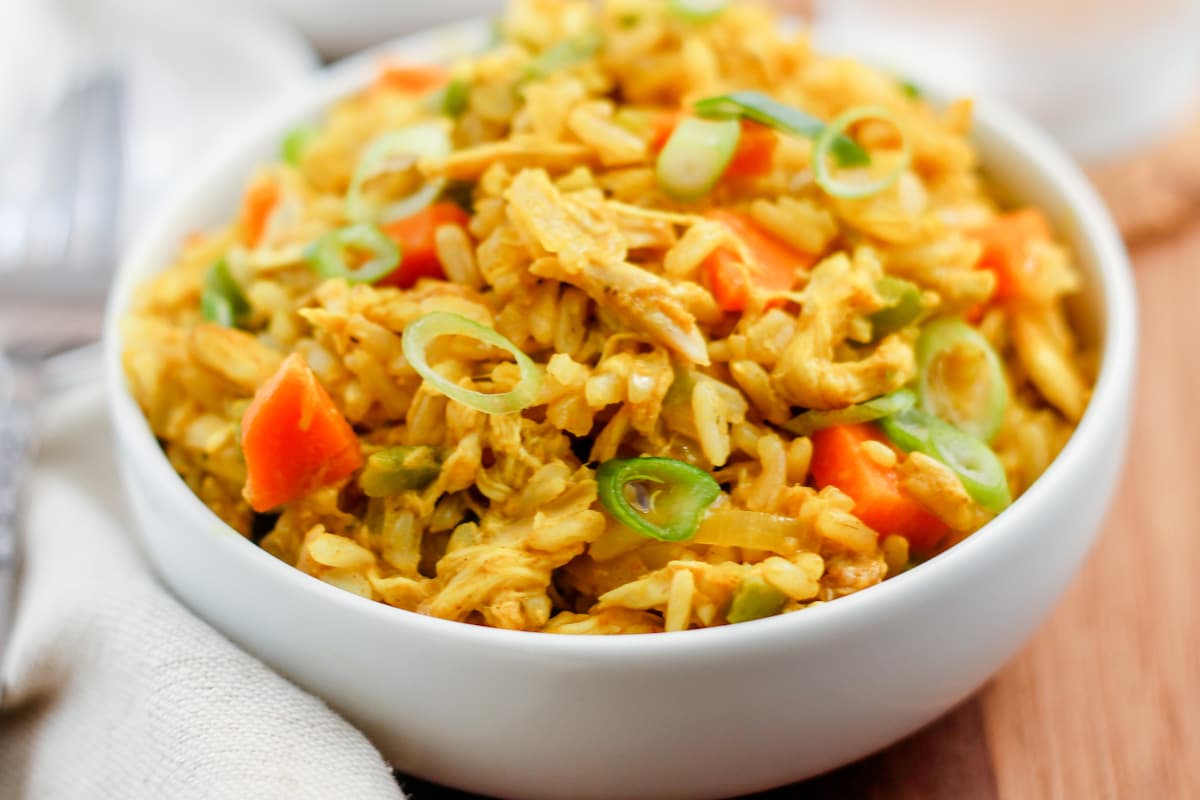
<point x="984" y="418"/>
<point x="418" y="335"/>
<point x="426" y="140"/>
<point x="697" y="10"/>
<point x="696" y="155"/>
<point x="827" y="140"/>
<point x="756" y="530"/>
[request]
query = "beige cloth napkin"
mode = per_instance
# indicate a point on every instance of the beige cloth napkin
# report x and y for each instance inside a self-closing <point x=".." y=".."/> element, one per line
<point x="113" y="690"/>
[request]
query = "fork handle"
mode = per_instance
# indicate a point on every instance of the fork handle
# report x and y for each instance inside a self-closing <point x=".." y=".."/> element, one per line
<point x="17" y="436"/>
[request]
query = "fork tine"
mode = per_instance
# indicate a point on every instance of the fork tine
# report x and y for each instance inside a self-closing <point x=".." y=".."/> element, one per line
<point x="51" y="215"/>
<point x="97" y="195"/>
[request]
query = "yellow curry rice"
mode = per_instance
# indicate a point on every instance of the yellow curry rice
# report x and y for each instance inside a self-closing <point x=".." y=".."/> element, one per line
<point x="578" y="256"/>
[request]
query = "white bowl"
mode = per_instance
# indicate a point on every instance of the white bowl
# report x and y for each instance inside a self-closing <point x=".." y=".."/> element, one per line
<point x="701" y="713"/>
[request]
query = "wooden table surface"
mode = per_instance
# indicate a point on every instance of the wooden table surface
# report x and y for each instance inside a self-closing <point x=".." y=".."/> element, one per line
<point x="1104" y="701"/>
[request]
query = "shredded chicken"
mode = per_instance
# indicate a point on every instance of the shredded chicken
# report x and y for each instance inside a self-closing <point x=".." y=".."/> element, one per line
<point x="1051" y="369"/>
<point x="640" y="299"/>
<point x="841" y="291"/>
<point x="516" y="153"/>
<point x="576" y="228"/>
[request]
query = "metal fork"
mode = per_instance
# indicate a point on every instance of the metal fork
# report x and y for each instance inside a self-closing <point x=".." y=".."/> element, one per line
<point x="59" y="204"/>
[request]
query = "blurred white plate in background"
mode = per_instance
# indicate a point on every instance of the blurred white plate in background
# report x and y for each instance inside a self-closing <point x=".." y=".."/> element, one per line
<point x="341" y="27"/>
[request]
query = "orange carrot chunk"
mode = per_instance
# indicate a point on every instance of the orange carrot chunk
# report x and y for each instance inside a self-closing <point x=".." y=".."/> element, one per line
<point x="294" y="438"/>
<point x="774" y="268"/>
<point x="755" y="151"/>
<point x="879" y="500"/>
<point x="417" y="240"/>
<point x="412" y="78"/>
<point x="664" y="125"/>
<point x="257" y="204"/>
<point x="1006" y="244"/>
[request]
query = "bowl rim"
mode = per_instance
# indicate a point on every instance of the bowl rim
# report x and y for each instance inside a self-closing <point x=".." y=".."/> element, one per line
<point x="1115" y="303"/>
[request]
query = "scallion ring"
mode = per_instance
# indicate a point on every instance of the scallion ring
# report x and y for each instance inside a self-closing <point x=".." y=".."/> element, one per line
<point x="387" y="153"/>
<point x="754" y="599"/>
<point x="454" y="97"/>
<point x="974" y="463"/>
<point x="421" y="332"/>
<point x="902" y="306"/>
<point x="356" y="253"/>
<point x="400" y="469"/>
<point x="909" y="429"/>
<point x="296" y="142"/>
<point x="824" y="147"/>
<point x="888" y="405"/>
<point x="960" y="378"/>
<point x="696" y="156"/>
<point x="697" y="10"/>
<point x="222" y="300"/>
<point x="566" y="53"/>
<point x="660" y="498"/>
<point x="758" y="107"/>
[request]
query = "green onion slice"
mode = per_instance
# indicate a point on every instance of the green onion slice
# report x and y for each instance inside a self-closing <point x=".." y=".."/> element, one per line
<point x="394" y="152"/>
<point x="563" y="55"/>
<point x="660" y="498"/>
<point x="221" y="299"/>
<point x="902" y="306"/>
<point x="696" y="155"/>
<point x="697" y="10"/>
<point x="754" y="599"/>
<point x="960" y="378"/>
<point x="888" y="405"/>
<point x="827" y="142"/>
<point x="909" y="429"/>
<point x="975" y="464"/>
<point x="454" y="97"/>
<point x="339" y="254"/>
<point x="296" y="142"/>
<point x="760" y="108"/>
<point x="418" y="335"/>
<point x="910" y="88"/>
<point x="400" y="469"/>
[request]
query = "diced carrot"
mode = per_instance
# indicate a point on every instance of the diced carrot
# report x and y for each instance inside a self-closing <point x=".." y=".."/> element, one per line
<point x="1006" y="242"/>
<point x="294" y="438"/>
<point x="879" y="500"/>
<point x="257" y="204"/>
<point x="755" y="149"/>
<point x="418" y="250"/>
<point x="412" y="78"/>
<point x="664" y="126"/>
<point x="776" y="262"/>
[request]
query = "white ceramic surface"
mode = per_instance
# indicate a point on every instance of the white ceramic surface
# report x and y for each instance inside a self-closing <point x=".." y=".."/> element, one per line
<point x="704" y="713"/>
<point x="349" y="25"/>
